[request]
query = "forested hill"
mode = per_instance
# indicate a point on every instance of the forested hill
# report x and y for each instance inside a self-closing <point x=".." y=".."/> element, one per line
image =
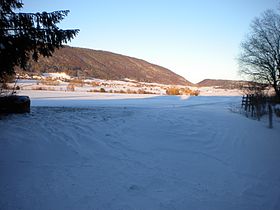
<point x="225" y="84"/>
<point x="89" y="63"/>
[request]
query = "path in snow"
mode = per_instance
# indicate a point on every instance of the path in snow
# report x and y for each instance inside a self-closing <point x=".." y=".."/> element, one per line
<point x="155" y="153"/>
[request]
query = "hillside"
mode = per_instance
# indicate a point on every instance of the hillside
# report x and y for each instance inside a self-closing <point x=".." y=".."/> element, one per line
<point x="104" y="65"/>
<point x="225" y="84"/>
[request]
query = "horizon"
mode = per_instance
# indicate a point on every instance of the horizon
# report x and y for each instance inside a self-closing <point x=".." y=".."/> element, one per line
<point x="196" y="39"/>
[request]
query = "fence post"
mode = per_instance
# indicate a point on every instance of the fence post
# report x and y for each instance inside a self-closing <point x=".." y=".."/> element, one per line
<point x="270" y="116"/>
<point x="246" y="103"/>
<point x="258" y="111"/>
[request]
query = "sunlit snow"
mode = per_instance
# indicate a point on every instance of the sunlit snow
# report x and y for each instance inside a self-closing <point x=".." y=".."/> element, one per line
<point x="106" y="151"/>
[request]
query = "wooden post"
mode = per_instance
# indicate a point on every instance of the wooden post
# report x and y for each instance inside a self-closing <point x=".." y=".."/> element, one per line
<point x="246" y="103"/>
<point x="270" y="116"/>
<point x="258" y="112"/>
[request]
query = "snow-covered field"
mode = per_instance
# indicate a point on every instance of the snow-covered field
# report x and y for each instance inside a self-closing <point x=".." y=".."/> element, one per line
<point x="106" y="151"/>
<point x="115" y="86"/>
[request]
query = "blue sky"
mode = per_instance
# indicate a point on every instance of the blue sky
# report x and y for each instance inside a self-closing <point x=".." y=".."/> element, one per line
<point x="194" y="38"/>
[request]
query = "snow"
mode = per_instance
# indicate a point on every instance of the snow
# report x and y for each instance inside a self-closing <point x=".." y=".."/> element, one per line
<point x="109" y="151"/>
<point x="210" y="91"/>
<point x="127" y="86"/>
<point x="58" y="75"/>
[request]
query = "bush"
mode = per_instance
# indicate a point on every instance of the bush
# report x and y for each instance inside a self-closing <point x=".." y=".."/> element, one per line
<point x="50" y="81"/>
<point x="173" y="91"/>
<point x="195" y="93"/>
<point x="43" y="88"/>
<point x="131" y="91"/>
<point x="182" y="91"/>
<point x="101" y="90"/>
<point x="5" y="86"/>
<point x="141" y="91"/>
<point x="77" y="82"/>
<point x="95" y="84"/>
<point x="70" y="87"/>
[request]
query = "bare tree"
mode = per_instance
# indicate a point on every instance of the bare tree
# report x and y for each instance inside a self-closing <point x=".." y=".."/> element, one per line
<point x="260" y="56"/>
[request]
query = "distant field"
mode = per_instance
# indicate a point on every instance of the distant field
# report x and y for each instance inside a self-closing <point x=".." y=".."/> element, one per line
<point x="119" y="87"/>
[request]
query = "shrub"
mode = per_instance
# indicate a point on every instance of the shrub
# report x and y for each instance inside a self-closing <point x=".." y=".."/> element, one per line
<point x="77" y="82"/>
<point x="70" y="87"/>
<point x="101" y="90"/>
<point x="181" y="91"/>
<point x="173" y="91"/>
<point x="95" y="84"/>
<point x="141" y="91"/>
<point x="195" y="93"/>
<point x="93" y="91"/>
<point x="128" y="91"/>
<point x="50" y="81"/>
<point x="5" y="86"/>
<point x="43" y="88"/>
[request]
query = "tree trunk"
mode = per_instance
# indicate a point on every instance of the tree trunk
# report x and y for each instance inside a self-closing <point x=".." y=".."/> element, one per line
<point x="276" y="89"/>
<point x="277" y="92"/>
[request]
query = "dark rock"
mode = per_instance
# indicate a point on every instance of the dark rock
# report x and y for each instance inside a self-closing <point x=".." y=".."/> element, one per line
<point x="14" y="104"/>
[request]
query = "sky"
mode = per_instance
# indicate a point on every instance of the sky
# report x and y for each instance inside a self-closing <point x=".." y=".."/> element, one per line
<point x="197" y="39"/>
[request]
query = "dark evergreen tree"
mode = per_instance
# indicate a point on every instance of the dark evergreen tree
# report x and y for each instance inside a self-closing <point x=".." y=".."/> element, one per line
<point x="25" y="36"/>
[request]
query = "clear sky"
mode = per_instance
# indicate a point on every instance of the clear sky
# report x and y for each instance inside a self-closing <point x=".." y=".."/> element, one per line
<point x="196" y="39"/>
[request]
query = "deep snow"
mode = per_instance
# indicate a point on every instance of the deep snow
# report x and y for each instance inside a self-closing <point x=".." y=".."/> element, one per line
<point x="120" y="152"/>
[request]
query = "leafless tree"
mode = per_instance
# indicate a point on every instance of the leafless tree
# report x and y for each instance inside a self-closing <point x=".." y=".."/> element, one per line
<point x="260" y="55"/>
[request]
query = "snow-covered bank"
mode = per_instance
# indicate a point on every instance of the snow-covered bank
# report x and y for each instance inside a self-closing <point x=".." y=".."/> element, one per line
<point x="85" y="99"/>
<point x="161" y="152"/>
<point x="114" y="86"/>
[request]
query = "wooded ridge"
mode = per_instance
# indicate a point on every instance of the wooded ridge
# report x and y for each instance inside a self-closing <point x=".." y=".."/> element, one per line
<point x="88" y="63"/>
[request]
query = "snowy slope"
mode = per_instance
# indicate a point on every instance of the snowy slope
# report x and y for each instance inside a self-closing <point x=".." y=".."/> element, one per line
<point x="138" y="153"/>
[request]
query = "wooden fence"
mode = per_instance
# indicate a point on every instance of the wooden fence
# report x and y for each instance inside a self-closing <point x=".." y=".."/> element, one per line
<point x="256" y="106"/>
